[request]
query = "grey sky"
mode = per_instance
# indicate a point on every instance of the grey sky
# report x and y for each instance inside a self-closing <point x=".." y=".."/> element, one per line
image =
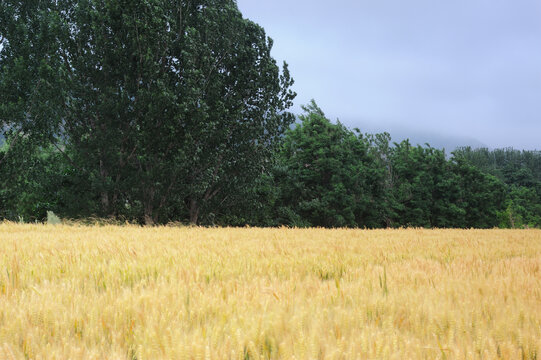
<point x="468" y="69"/>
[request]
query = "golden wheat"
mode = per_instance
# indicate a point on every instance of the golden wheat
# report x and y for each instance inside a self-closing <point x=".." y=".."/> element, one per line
<point x="76" y="292"/>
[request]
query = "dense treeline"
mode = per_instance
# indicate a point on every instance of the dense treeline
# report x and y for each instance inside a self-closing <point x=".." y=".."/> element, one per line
<point x="328" y="175"/>
<point x="322" y="174"/>
<point x="160" y="109"/>
<point x="521" y="172"/>
<point x="156" y="111"/>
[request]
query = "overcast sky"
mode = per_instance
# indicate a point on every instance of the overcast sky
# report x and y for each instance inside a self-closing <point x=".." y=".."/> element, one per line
<point x="462" y="69"/>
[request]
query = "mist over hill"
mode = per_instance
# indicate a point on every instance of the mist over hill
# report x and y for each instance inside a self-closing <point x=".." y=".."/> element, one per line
<point x="416" y="136"/>
<point x="439" y="141"/>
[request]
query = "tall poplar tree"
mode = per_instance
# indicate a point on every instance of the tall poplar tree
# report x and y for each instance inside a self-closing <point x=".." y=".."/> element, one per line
<point x="164" y="106"/>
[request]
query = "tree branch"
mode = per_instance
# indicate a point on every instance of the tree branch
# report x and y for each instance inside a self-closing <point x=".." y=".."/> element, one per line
<point x="11" y="145"/>
<point x="70" y="160"/>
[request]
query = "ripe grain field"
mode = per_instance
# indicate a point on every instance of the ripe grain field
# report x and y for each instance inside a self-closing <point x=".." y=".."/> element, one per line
<point x="75" y="292"/>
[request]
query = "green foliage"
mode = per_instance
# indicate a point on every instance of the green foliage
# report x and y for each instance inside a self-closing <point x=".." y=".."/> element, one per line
<point x="34" y="180"/>
<point x="330" y="176"/>
<point x="521" y="173"/>
<point x="422" y="189"/>
<point x="156" y="111"/>
<point x="481" y="195"/>
<point x="24" y="177"/>
<point x="163" y="108"/>
<point x="523" y="209"/>
<point x="328" y="179"/>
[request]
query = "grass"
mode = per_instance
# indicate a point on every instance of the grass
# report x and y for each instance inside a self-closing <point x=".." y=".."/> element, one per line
<point x="111" y="292"/>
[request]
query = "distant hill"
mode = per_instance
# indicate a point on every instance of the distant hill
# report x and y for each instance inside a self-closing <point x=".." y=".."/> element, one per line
<point x="449" y="142"/>
<point x="440" y="141"/>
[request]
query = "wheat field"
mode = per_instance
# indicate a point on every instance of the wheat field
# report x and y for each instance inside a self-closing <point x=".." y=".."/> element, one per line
<point x="127" y="292"/>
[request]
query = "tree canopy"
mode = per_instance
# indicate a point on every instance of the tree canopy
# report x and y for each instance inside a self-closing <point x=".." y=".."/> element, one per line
<point x="158" y="104"/>
<point x="156" y="111"/>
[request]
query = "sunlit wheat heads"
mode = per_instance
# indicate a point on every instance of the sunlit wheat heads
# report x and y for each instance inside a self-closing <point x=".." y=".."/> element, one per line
<point x="106" y="292"/>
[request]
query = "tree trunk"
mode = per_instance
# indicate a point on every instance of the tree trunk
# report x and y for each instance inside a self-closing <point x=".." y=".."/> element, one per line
<point x="149" y="221"/>
<point x="194" y="211"/>
<point x="105" y="202"/>
<point x="104" y="194"/>
<point x="149" y="207"/>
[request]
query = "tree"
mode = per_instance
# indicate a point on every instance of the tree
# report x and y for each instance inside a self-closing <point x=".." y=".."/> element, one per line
<point x="424" y="191"/>
<point x="327" y="173"/>
<point x="165" y="107"/>
<point x="521" y="173"/>
<point x="27" y="181"/>
<point x="523" y="208"/>
<point x="482" y="196"/>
